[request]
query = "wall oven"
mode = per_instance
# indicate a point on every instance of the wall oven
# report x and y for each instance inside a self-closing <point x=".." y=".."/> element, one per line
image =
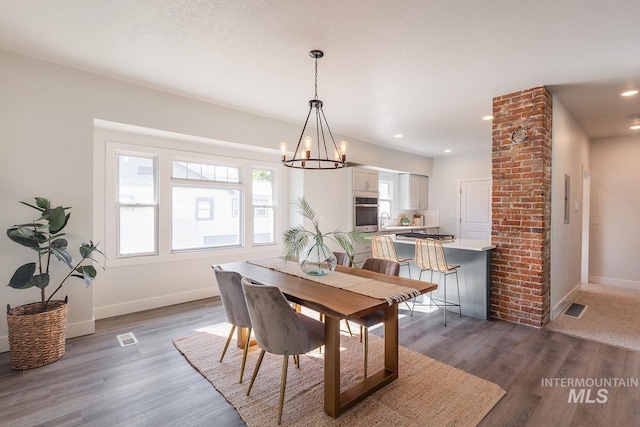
<point x="365" y="211"/>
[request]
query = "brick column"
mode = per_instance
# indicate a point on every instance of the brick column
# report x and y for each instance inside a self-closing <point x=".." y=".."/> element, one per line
<point x="521" y="207"/>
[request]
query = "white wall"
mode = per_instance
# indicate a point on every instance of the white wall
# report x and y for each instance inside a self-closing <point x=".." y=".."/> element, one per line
<point x="615" y="206"/>
<point x="570" y="156"/>
<point x="47" y="117"/>
<point x="444" y="183"/>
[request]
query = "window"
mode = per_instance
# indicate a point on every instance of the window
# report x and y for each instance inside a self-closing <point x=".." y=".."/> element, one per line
<point x="385" y="193"/>
<point x="137" y="207"/>
<point x="204" y="209"/>
<point x="202" y="201"/>
<point x="162" y="202"/>
<point x="263" y="207"/>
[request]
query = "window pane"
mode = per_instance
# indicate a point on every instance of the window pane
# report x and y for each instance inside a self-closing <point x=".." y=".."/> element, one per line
<point x="263" y="213"/>
<point x="383" y="190"/>
<point x="194" y="171"/>
<point x="136" y="180"/>
<point x="234" y="175"/>
<point x="191" y="231"/>
<point x="179" y="170"/>
<point x="137" y="230"/>
<point x="208" y="172"/>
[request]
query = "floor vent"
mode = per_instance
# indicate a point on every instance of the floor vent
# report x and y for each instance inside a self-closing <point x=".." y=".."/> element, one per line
<point x="575" y="310"/>
<point x="127" y="339"/>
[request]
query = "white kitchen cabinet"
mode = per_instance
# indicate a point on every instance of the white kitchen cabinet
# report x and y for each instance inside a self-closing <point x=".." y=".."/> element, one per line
<point x="365" y="180"/>
<point x="413" y="191"/>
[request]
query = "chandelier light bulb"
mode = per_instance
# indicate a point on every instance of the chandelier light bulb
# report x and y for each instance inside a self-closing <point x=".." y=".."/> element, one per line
<point x="283" y="150"/>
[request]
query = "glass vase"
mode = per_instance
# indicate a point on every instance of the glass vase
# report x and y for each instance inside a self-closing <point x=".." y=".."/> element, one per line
<point x="318" y="260"/>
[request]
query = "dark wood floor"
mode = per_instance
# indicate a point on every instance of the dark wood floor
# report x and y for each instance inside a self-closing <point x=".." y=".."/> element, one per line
<point x="99" y="383"/>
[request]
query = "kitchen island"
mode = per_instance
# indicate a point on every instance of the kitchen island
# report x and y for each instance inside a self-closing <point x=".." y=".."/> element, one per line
<point x="474" y="274"/>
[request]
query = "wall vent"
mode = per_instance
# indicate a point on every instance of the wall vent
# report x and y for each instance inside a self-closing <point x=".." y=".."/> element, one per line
<point x="127" y="339"/>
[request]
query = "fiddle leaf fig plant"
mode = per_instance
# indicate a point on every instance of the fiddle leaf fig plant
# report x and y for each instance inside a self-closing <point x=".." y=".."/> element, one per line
<point x="296" y="239"/>
<point x="44" y="236"/>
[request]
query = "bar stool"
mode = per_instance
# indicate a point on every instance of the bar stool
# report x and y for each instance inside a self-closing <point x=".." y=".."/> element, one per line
<point x="430" y="256"/>
<point x="382" y="247"/>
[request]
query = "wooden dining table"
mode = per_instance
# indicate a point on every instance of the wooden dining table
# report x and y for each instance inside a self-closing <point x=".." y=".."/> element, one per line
<point x="337" y="304"/>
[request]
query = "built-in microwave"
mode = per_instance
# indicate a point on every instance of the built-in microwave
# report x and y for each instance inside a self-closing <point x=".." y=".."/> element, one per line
<point x="365" y="211"/>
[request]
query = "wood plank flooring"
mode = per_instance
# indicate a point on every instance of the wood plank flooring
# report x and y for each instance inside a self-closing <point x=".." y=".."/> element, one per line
<point x="99" y="383"/>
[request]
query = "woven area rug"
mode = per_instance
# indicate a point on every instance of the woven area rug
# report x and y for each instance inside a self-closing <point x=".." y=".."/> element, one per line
<point x="611" y="316"/>
<point x="427" y="392"/>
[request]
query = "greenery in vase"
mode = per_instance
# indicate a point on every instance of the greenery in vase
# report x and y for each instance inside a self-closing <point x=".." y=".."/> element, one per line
<point x="44" y="235"/>
<point x="296" y="239"/>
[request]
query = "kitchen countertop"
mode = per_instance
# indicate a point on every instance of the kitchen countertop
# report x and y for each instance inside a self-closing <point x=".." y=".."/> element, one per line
<point x="463" y="244"/>
<point x="404" y="227"/>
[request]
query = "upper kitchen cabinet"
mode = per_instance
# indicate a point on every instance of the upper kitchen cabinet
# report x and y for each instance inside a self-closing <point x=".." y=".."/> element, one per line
<point x="413" y="191"/>
<point x="365" y="180"/>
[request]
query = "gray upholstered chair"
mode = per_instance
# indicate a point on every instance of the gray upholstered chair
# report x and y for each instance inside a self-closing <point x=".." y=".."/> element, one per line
<point x="342" y="259"/>
<point x="429" y="255"/>
<point x="279" y="329"/>
<point x="235" y="306"/>
<point x="383" y="266"/>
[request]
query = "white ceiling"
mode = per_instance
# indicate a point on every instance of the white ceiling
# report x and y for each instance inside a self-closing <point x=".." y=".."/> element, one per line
<point x="425" y="68"/>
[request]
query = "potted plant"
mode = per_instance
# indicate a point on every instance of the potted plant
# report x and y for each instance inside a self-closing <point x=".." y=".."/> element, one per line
<point x="316" y="258"/>
<point x="37" y="331"/>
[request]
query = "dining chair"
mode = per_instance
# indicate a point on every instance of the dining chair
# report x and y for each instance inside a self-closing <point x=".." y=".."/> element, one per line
<point x="382" y="247"/>
<point x="229" y="284"/>
<point x="342" y="258"/>
<point x="279" y="329"/>
<point x="429" y="255"/>
<point x="383" y="266"/>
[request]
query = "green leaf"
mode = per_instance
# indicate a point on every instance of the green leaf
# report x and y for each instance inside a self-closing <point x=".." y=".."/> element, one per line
<point x="57" y="219"/>
<point x="21" y="279"/>
<point x="25" y="236"/>
<point x="43" y="203"/>
<point x="62" y="255"/>
<point x="87" y="272"/>
<point x="40" y="280"/>
<point x="59" y="244"/>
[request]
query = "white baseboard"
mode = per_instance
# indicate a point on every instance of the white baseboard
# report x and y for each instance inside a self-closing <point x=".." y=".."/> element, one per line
<point x="77" y="329"/>
<point x="565" y="302"/>
<point x="148" y="304"/>
<point x="620" y="283"/>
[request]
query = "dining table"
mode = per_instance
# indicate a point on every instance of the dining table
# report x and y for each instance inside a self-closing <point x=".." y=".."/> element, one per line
<point x="336" y="303"/>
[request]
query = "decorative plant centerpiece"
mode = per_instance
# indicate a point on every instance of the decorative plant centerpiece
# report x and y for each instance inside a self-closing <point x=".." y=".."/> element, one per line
<point x="37" y="331"/>
<point x="315" y="257"/>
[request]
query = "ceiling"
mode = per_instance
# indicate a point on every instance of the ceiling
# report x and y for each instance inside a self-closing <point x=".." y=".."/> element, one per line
<point x="427" y="69"/>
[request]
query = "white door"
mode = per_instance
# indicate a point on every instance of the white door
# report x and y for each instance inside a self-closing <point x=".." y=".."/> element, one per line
<point x="475" y="209"/>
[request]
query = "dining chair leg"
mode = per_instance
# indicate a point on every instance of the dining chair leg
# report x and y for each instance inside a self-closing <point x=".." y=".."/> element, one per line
<point x="224" y="351"/>
<point x="283" y="384"/>
<point x="365" y="350"/>
<point x="255" y="371"/>
<point x="348" y="327"/>
<point x="244" y="353"/>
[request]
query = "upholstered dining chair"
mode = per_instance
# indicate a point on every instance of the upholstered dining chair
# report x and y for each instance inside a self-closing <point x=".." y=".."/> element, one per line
<point x="235" y="307"/>
<point x="429" y="255"/>
<point x="279" y="329"/>
<point x="383" y="266"/>
<point x="382" y="247"/>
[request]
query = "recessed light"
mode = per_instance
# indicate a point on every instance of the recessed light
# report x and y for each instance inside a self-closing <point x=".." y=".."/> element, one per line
<point x="629" y="92"/>
<point x="634" y="127"/>
<point x="487" y="118"/>
<point x="398" y="135"/>
<point x="447" y="151"/>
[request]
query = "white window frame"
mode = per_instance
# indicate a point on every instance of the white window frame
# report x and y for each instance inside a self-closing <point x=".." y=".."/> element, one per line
<point x="164" y="186"/>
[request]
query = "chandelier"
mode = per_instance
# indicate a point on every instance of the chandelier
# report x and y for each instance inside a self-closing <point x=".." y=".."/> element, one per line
<point x="306" y="156"/>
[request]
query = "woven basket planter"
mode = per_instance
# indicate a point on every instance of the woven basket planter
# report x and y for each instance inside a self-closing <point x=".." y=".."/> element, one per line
<point x="37" y="339"/>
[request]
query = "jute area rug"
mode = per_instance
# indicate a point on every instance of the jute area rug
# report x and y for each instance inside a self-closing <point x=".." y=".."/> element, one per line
<point x="427" y="392"/>
<point x="611" y="316"/>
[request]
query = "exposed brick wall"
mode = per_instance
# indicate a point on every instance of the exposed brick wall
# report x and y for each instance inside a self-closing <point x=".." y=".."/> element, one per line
<point x="521" y="208"/>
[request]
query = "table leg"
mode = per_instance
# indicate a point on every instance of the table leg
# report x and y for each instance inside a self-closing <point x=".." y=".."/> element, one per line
<point x="241" y="337"/>
<point x="391" y="339"/>
<point x="332" y="366"/>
